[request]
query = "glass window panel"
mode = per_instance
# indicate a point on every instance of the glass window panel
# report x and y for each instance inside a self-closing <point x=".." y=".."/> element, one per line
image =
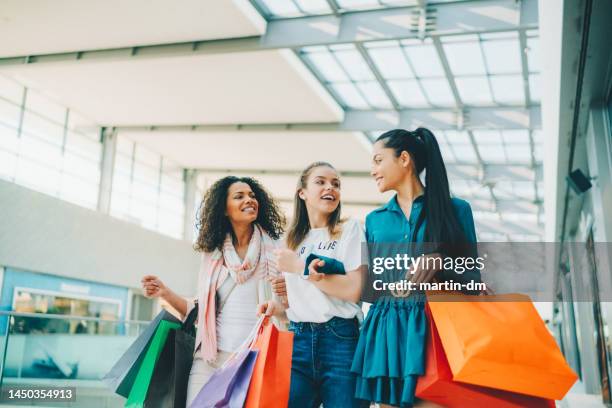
<point x="281" y="7"/>
<point x="508" y="89"/>
<point x="125" y="146"/>
<point x="487" y="137"/>
<point x="8" y="139"/>
<point x="374" y="93"/>
<point x="121" y="183"/>
<point x="537" y="136"/>
<point x="83" y="146"/>
<point x="41" y="151"/>
<point x="425" y="61"/>
<point x="354" y="65"/>
<point x="314" y="6"/>
<point x="11" y="90"/>
<point x="40" y="104"/>
<point x="457" y="137"/>
<point x="327" y="65"/>
<point x="357" y="4"/>
<point x="504" y="35"/>
<point x="533" y="54"/>
<point x="82" y="168"/>
<point x="474" y="91"/>
<point x="9" y="113"/>
<point x="38" y="176"/>
<point x="518" y="153"/>
<point x="145" y="192"/>
<point x="408" y="93"/>
<point x="123" y="164"/>
<point x="502" y="57"/>
<point x="349" y="95"/>
<point x="391" y="62"/>
<point x="465" y="58"/>
<point x="503" y="190"/>
<point x="534" y="87"/>
<point x="172" y="204"/>
<point x="145" y="174"/>
<point x="172" y="185"/>
<point x="447" y="153"/>
<point x="43" y="128"/>
<point x="524" y="190"/>
<point x="438" y="92"/>
<point x="492" y="153"/>
<point x="464" y="153"/>
<point x="8" y="164"/>
<point x="146" y="156"/>
<point x="516" y="136"/>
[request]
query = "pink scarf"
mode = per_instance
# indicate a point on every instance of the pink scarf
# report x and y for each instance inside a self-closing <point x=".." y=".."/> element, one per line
<point x="258" y="263"/>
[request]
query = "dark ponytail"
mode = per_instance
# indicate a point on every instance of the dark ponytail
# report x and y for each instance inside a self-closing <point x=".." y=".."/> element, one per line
<point x="442" y="225"/>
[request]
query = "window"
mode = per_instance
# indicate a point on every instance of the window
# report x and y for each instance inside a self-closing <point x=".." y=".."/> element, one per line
<point x="46" y="147"/>
<point x="148" y="189"/>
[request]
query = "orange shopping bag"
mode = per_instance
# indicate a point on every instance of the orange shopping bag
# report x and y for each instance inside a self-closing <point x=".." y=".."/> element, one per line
<point x="501" y="342"/>
<point x="437" y="383"/>
<point x="269" y="385"/>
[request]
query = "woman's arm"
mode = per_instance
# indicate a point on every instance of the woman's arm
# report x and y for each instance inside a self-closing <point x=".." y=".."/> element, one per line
<point x="154" y="287"/>
<point x="345" y="287"/>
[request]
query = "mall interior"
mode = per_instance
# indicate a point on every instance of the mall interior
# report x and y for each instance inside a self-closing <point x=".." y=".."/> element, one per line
<point x="115" y="117"/>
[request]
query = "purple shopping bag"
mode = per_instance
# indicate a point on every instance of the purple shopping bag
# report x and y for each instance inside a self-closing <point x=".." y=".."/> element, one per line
<point x="229" y="384"/>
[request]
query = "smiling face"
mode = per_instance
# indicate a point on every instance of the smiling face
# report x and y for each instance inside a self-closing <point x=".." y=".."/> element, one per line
<point x="389" y="170"/>
<point x="322" y="191"/>
<point x="241" y="205"/>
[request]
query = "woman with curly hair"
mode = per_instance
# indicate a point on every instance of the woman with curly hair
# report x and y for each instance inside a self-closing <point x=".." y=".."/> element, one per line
<point x="239" y="225"/>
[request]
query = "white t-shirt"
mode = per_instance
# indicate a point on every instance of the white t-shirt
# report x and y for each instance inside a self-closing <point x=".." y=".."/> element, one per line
<point x="307" y="303"/>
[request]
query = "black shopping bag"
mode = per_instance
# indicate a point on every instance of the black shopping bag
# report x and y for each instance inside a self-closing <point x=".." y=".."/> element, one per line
<point x="121" y="377"/>
<point x="168" y="387"/>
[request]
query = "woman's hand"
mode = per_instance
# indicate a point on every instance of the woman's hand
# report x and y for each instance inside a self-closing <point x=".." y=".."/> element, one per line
<point x="288" y="261"/>
<point x="313" y="274"/>
<point x="153" y="287"/>
<point x="270" y="308"/>
<point x="426" y="268"/>
<point x="279" y="287"/>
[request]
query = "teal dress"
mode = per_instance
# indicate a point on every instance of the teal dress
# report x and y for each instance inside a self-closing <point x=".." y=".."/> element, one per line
<point x="390" y="354"/>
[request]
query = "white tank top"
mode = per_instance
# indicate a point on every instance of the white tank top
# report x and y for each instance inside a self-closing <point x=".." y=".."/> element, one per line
<point x="238" y="315"/>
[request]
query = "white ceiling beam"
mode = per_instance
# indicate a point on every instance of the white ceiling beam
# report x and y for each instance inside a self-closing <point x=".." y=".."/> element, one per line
<point x="396" y="23"/>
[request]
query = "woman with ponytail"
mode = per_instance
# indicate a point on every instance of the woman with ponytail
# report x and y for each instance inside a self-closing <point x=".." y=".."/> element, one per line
<point x="424" y="222"/>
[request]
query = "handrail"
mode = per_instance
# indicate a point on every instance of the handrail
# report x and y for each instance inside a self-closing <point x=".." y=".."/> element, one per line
<point x="70" y="317"/>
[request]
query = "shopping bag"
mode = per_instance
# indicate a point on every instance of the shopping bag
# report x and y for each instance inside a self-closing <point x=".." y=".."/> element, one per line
<point x="168" y="387"/>
<point x="219" y="389"/>
<point x="269" y="385"/>
<point x="500" y="342"/>
<point x="121" y="376"/>
<point x="138" y="393"/>
<point x="437" y="383"/>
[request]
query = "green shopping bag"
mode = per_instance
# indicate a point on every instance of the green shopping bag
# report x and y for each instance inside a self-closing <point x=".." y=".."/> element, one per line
<point x="138" y="393"/>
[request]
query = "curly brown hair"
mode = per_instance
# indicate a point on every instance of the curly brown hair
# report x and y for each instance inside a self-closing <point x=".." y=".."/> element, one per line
<point x="214" y="225"/>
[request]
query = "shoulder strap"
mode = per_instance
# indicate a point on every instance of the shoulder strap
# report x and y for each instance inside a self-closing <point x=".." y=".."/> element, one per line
<point x="224" y="300"/>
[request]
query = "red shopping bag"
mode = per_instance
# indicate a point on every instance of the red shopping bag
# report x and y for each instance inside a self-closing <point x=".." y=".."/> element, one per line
<point x="437" y="384"/>
<point x="500" y="342"/>
<point x="269" y="385"/>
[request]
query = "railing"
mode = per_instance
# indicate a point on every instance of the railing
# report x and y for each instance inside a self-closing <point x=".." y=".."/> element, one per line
<point x="54" y="349"/>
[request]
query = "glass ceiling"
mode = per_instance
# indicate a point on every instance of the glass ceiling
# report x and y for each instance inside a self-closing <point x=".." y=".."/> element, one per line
<point x="454" y="72"/>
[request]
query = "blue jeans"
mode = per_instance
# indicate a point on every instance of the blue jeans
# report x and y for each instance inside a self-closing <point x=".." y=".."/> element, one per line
<point x="321" y="364"/>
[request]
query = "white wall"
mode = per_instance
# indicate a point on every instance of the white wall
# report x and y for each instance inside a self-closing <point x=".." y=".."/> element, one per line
<point x="44" y="234"/>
